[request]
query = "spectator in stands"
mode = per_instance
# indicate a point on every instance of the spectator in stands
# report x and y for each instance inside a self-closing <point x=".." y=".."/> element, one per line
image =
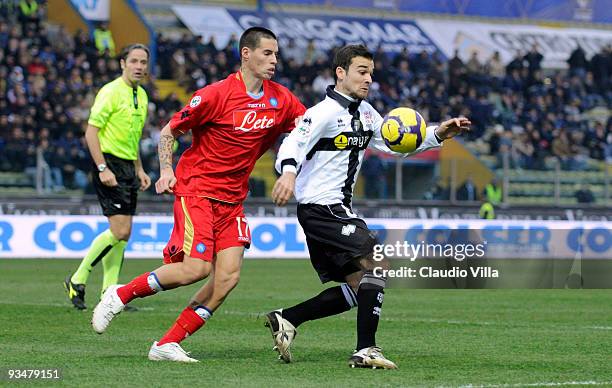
<point x="540" y="147"/>
<point x="525" y="151"/>
<point x="507" y="151"/>
<point x="577" y="62"/>
<point x="321" y="82"/>
<point x="456" y="72"/>
<point x="75" y="172"/>
<point x="16" y="147"/>
<point x="534" y="60"/>
<point x="495" y="70"/>
<point x="382" y="58"/>
<point x="404" y="73"/>
<point x="474" y="66"/>
<point x="57" y="160"/>
<point x="487" y="211"/>
<point x="440" y="191"/>
<point x="600" y="67"/>
<point x="29" y="12"/>
<point x="313" y="54"/>
<point x="480" y="112"/>
<point x="467" y="191"/>
<point x="293" y="52"/>
<point x="231" y="50"/>
<point x="608" y="152"/>
<point x="584" y="194"/>
<point x="563" y="149"/>
<point x="103" y="38"/>
<point x="61" y="42"/>
<point x="517" y="63"/>
<point x="179" y="67"/>
<point x="422" y="64"/>
<point x="513" y="81"/>
<point x="403" y="55"/>
<point x="28" y="163"/>
<point x="492" y="192"/>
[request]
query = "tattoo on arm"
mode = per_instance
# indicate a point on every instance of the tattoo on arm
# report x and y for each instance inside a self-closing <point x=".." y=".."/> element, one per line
<point x="165" y="151"/>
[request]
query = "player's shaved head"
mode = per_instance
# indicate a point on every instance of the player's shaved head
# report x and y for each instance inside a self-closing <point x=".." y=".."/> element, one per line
<point x="252" y="36"/>
<point x="344" y="56"/>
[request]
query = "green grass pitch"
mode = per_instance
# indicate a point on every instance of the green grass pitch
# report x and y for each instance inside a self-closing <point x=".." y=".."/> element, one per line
<point x="437" y="337"/>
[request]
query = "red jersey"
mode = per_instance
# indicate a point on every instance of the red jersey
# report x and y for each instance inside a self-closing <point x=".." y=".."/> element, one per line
<point x="230" y="130"/>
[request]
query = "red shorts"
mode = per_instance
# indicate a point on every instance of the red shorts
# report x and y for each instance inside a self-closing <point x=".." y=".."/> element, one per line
<point x="203" y="227"/>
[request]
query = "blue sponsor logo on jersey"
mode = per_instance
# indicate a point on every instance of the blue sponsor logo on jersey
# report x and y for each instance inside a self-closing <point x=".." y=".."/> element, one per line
<point x="201" y="247"/>
<point x="273" y="102"/>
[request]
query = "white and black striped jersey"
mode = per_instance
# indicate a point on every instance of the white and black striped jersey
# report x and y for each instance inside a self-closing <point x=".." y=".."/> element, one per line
<point x="328" y="146"/>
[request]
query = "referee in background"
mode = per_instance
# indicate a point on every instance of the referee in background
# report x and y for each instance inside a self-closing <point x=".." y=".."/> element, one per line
<point x="113" y="135"/>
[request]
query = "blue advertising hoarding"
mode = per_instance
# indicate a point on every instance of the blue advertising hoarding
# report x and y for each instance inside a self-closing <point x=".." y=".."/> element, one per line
<point x="325" y="31"/>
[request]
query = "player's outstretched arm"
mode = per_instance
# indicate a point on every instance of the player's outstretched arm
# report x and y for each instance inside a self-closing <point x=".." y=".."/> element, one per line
<point x="166" y="180"/>
<point x="453" y="127"/>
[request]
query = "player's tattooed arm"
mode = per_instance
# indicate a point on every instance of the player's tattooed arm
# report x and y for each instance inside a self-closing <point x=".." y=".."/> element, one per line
<point x="167" y="180"/>
<point x="164" y="148"/>
<point x="165" y="151"/>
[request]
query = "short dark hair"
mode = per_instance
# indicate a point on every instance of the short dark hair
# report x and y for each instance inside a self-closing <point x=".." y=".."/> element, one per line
<point x="136" y="46"/>
<point x="344" y="56"/>
<point x="252" y="36"/>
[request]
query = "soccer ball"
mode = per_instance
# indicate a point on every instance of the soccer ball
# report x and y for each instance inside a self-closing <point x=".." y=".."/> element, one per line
<point x="403" y="130"/>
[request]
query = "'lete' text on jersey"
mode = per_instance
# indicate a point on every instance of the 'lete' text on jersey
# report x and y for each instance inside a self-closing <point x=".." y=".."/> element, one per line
<point x="230" y="130"/>
<point x="328" y="147"/>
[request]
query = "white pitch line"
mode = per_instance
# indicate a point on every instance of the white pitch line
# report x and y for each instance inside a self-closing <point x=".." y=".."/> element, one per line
<point x="60" y="305"/>
<point x="543" y="384"/>
<point x="343" y="317"/>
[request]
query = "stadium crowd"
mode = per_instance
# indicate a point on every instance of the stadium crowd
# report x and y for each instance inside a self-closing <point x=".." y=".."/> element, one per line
<point x="48" y="80"/>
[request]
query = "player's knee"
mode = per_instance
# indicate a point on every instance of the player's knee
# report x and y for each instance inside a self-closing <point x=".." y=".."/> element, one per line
<point x="232" y="280"/>
<point x="122" y="232"/>
<point x="194" y="271"/>
<point x="124" y="235"/>
<point x="228" y="282"/>
<point x="369" y="264"/>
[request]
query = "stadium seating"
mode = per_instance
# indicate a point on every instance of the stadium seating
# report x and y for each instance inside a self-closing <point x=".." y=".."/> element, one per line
<point x="471" y="94"/>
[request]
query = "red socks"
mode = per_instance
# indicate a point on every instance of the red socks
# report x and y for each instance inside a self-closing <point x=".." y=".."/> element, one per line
<point x="186" y="324"/>
<point x="139" y="287"/>
<point x="189" y="321"/>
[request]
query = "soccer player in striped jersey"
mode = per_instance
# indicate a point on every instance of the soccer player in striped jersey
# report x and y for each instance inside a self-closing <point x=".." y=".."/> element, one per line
<point x="327" y="149"/>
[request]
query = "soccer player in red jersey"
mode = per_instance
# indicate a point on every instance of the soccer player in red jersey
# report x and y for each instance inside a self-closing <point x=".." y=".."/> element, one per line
<point x="233" y="122"/>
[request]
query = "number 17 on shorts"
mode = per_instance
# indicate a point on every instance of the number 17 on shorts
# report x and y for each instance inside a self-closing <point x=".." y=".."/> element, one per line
<point x="244" y="232"/>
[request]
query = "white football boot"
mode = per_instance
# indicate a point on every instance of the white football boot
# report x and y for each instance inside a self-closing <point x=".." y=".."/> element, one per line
<point x="109" y="306"/>
<point x="283" y="333"/>
<point x="169" y="352"/>
<point x="371" y="357"/>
